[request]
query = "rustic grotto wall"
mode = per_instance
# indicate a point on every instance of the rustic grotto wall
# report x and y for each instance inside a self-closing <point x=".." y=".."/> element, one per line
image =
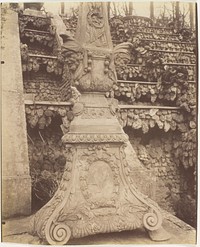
<point x="165" y="142"/>
<point x="45" y="148"/>
<point x="47" y="162"/>
<point x="47" y="90"/>
<point x="155" y="152"/>
<point x="175" y="185"/>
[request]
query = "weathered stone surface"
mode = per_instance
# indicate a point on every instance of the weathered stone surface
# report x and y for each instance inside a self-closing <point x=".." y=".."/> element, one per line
<point x="142" y="178"/>
<point x="16" y="195"/>
<point x="16" y="191"/>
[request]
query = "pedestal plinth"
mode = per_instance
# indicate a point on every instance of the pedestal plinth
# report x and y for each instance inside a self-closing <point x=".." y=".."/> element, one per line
<point x="96" y="194"/>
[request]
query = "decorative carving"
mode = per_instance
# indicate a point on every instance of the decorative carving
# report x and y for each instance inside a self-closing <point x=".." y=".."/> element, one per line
<point x="94" y="138"/>
<point x="95" y="17"/>
<point x="75" y="95"/>
<point x="105" y="202"/>
<point x="65" y="125"/>
<point x="152" y="221"/>
<point x="101" y="191"/>
<point x="86" y="71"/>
<point x="78" y="109"/>
<point x="59" y="234"/>
<point x="113" y="106"/>
<point x="74" y="64"/>
<point x="122" y="56"/>
<point x="91" y="84"/>
<point x="98" y="53"/>
<point x="89" y="112"/>
<point x="95" y="32"/>
<point x="43" y="221"/>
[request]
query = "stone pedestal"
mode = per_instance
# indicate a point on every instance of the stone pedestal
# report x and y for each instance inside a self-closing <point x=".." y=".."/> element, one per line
<point x="97" y="193"/>
<point x="16" y="183"/>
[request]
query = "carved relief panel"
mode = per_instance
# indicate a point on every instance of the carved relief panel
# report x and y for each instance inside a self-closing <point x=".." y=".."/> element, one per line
<point x="95" y="31"/>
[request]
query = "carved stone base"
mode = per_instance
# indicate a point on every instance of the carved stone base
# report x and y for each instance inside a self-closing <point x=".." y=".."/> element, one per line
<point x="95" y="197"/>
<point x="96" y="194"/>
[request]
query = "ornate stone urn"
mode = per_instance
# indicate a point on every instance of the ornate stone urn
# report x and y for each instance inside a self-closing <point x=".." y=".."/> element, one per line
<point x="96" y="194"/>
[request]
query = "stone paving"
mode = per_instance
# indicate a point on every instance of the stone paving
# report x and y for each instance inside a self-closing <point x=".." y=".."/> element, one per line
<point x="15" y="231"/>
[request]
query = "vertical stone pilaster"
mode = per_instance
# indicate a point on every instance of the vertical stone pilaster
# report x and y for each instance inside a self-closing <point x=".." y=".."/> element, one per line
<point x="16" y="181"/>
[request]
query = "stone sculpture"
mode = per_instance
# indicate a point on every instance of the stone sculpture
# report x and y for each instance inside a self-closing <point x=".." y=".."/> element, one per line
<point x="96" y="194"/>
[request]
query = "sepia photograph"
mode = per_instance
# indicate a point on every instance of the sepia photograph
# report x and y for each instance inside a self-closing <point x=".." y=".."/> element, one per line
<point x="99" y="123"/>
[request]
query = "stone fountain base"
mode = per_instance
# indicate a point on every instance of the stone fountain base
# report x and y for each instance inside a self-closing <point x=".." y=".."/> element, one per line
<point x="97" y="193"/>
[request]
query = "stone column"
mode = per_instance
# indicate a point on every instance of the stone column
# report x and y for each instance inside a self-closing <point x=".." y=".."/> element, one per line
<point x="16" y="185"/>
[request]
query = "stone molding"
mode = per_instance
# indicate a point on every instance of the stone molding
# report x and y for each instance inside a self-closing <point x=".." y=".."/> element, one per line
<point x="94" y="138"/>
